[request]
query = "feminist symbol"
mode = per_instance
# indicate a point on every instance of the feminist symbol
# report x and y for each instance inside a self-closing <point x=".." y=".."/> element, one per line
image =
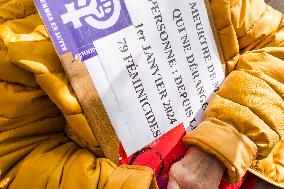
<point x="93" y="14"/>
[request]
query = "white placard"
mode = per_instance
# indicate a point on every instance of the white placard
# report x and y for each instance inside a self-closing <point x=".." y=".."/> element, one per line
<point x="159" y="71"/>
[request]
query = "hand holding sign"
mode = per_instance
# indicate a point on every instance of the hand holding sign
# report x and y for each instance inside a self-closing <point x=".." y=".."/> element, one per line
<point x="197" y="170"/>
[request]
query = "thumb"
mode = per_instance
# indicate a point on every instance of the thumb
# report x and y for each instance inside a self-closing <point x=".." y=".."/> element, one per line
<point x="173" y="183"/>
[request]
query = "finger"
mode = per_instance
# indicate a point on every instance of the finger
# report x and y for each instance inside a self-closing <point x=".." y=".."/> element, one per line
<point x="173" y="184"/>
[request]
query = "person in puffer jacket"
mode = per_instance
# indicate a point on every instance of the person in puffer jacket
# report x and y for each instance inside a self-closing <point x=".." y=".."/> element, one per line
<point x="46" y="141"/>
<point x="244" y="122"/>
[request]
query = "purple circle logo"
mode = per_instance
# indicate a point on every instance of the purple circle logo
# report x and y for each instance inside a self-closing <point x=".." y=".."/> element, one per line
<point x="99" y="14"/>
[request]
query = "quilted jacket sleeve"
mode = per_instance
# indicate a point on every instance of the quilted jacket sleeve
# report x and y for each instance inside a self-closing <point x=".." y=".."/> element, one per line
<point x="37" y="106"/>
<point x="245" y="119"/>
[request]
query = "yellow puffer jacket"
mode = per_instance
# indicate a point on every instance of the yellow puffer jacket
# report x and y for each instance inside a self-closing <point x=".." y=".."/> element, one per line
<point x="243" y="126"/>
<point x="37" y="104"/>
<point x="244" y="123"/>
